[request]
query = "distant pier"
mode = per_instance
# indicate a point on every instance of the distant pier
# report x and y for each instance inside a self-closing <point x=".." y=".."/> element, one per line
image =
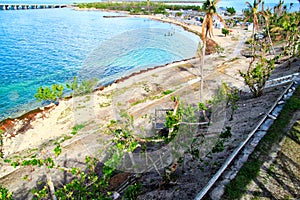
<point x="30" y="6"/>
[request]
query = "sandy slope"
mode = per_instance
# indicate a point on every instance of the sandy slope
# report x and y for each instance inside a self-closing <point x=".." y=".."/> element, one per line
<point x="140" y="95"/>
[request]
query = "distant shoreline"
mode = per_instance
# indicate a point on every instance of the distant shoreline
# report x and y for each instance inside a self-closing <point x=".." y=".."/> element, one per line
<point x="31" y="113"/>
<point x="19" y="112"/>
<point x="35" y="111"/>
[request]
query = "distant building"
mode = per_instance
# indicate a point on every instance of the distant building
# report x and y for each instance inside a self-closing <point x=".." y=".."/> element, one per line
<point x="250" y="27"/>
<point x="218" y="24"/>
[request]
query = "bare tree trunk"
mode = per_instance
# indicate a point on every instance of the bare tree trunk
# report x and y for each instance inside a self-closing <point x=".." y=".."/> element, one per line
<point x="253" y="37"/>
<point x="201" y="71"/>
<point x="272" y="46"/>
<point x="50" y="183"/>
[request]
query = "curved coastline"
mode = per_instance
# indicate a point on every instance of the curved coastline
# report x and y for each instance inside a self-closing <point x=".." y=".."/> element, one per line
<point x="29" y="114"/>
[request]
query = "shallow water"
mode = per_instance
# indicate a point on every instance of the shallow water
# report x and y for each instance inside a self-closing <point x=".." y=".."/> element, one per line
<point x="47" y="46"/>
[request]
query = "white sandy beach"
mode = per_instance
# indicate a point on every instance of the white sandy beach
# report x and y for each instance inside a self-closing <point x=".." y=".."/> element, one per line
<point x="60" y="119"/>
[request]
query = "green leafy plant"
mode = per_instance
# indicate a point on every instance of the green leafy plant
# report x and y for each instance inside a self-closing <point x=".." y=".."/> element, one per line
<point x="73" y="85"/>
<point x="233" y="96"/>
<point x="76" y="128"/>
<point x="227" y="133"/>
<point x="258" y="72"/>
<point x="132" y="192"/>
<point x="178" y="14"/>
<point x="49" y="94"/>
<point x="225" y="31"/>
<point x="219" y="146"/>
<point x="230" y="10"/>
<point x="5" y="194"/>
<point x="83" y="87"/>
<point x="167" y="92"/>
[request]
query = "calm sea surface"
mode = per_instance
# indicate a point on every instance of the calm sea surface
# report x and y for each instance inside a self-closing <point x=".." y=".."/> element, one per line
<point x="46" y="46"/>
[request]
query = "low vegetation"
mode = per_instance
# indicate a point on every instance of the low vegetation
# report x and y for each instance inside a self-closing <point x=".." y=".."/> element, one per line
<point x="237" y="187"/>
<point x="230" y="10"/>
<point x="49" y="94"/>
<point x="138" y="7"/>
<point x="225" y="31"/>
<point x="57" y="91"/>
<point x="92" y="182"/>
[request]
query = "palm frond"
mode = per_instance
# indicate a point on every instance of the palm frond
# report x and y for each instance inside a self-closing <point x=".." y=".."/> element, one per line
<point x="221" y="19"/>
<point x="249" y="5"/>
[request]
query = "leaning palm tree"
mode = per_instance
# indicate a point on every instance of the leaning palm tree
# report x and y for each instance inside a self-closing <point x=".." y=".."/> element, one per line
<point x="207" y="29"/>
<point x="253" y="14"/>
<point x="211" y="10"/>
<point x="267" y="14"/>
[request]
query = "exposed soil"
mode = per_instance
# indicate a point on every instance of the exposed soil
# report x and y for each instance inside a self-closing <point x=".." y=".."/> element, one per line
<point x="141" y="96"/>
<point x="279" y="176"/>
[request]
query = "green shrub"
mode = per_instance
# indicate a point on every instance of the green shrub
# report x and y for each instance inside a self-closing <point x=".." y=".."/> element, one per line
<point x="230" y="10"/>
<point x="225" y="31"/>
<point x="49" y="94"/>
<point x="5" y="194"/>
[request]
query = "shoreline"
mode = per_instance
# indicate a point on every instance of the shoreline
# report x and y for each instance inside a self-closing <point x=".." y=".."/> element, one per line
<point x="31" y="113"/>
<point x="129" y="92"/>
<point x="32" y="123"/>
<point x="37" y="110"/>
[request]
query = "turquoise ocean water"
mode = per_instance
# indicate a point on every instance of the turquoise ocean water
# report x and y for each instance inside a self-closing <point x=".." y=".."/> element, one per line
<point x="46" y="46"/>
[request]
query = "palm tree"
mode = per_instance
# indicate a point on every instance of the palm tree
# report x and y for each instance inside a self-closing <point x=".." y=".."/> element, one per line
<point x="253" y="14"/>
<point x="287" y="27"/>
<point x="267" y="14"/>
<point x="148" y="6"/>
<point x="207" y="28"/>
<point x="278" y="8"/>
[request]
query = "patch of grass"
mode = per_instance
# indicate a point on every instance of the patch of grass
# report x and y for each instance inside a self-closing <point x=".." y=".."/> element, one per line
<point x="105" y="104"/>
<point x="167" y="92"/>
<point x="76" y="128"/>
<point x="156" y="97"/>
<point x="65" y="113"/>
<point x="164" y="93"/>
<point x="237" y="187"/>
<point x="295" y="132"/>
<point x="87" y="98"/>
<point x="80" y="107"/>
<point x="234" y="38"/>
<point x="64" y="138"/>
<point x="138" y="102"/>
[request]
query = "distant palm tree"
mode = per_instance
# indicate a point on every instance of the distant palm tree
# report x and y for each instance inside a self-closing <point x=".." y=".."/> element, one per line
<point x="254" y="12"/>
<point x="207" y="28"/>
<point x="267" y="14"/>
<point x="287" y="28"/>
<point x="211" y="10"/>
<point x="148" y="6"/>
<point x="278" y="8"/>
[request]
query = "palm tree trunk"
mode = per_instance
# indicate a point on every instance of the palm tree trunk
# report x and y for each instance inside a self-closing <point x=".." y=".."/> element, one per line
<point x="272" y="46"/>
<point x="253" y="37"/>
<point x="201" y="71"/>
